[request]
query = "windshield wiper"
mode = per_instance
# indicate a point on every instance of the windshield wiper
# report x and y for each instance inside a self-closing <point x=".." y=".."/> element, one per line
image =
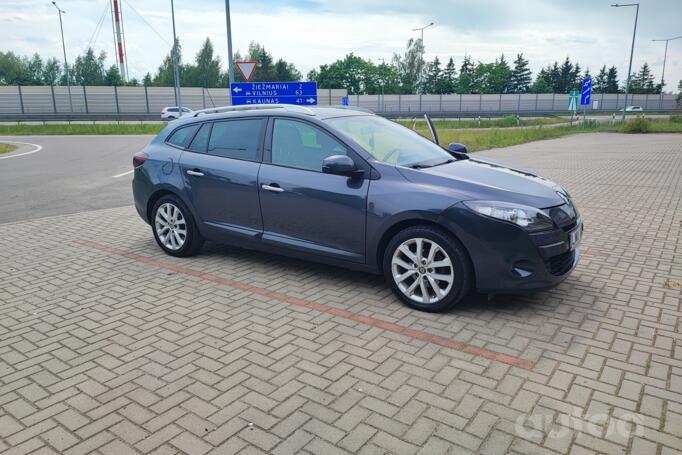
<point x="424" y="166"/>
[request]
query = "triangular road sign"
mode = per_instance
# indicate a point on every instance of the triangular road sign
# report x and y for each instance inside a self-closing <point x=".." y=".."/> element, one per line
<point x="246" y="68"/>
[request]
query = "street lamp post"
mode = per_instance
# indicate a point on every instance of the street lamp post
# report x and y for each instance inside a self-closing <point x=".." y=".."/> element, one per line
<point x="178" y="95"/>
<point x="66" y="65"/>
<point x="230" y="63"/>
<point x="421" y="63"/>
<point x="632" y="50"/>
<point x="665" y="56"/>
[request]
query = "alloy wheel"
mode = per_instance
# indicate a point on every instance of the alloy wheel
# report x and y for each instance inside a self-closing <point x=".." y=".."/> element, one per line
<point x="422" y="270"/>
<point x="171" y="226"/>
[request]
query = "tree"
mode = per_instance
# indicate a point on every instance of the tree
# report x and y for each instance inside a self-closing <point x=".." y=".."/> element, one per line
<point x="89" y="69"/>
<point x="643" y="81"/>
<point x="113" y="76"/>
<point x="408" y="65"/>
<point x="520" y="76"/>
<point x="147" y="80"/>
<point x="569" y="77"/>
<point x="500" y="77"/>
<point x="466" y="76"/>
<point x="12" y="69"/>
<point x="612" y="80"/>
<point x="599" y="85"/>
<point x="51" y="71"/>
<point x="679" y="95"/>
<point x="165" y="75"/>
<point x="449" y="82"/>
<point x="349" y="73"/>
<point x="285" y="71"/>
<point x="432" y="77"/>
<point x="34" y="70"/>
<point x="206" y="70"/>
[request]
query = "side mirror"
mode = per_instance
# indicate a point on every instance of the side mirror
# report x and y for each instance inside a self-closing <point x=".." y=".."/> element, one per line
<point x="456" y="147"/>
<point x="338" y="165"/>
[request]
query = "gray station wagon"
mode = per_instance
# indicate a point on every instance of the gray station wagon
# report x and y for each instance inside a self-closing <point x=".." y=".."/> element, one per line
<point x="355" y="190"/>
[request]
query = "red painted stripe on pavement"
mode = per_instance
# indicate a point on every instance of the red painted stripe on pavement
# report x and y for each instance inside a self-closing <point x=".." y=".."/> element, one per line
<point x="367" y="320"/>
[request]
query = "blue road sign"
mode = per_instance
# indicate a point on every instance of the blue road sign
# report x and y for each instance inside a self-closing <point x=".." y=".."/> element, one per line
<point x="301" y="93"/>
<point x="586" y="92"/>
<point x="345" y="101"/>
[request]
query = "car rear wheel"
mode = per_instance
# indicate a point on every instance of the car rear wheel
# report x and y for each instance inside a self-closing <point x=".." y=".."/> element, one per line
<point x="427" y="268"/>
<point x="174" y="228"/>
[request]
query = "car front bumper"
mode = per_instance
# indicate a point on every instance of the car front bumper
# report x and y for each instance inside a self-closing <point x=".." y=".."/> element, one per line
<point x="508" y="259"/>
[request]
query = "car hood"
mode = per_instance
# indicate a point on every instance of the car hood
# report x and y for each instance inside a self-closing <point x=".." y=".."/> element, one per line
<point x="485" y="179"/>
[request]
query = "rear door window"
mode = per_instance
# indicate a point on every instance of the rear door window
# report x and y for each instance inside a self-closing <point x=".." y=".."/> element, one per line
<point x="237" y="139"/>
<point x="200" y="140"/>
<point x="182" y="136"/>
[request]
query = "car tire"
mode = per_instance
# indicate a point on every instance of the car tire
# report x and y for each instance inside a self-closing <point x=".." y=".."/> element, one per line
<point x="427" y="268"/>
<point x="174" y="228"/>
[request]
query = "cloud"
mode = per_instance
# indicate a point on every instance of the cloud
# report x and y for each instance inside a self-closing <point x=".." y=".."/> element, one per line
<point x="314" y="32"/>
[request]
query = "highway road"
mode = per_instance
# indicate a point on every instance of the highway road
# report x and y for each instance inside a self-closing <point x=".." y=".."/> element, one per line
<point x="54" y="175"/>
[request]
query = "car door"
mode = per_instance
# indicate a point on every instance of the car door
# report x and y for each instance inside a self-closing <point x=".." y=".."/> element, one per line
<point x="220" y="168"/>
<point x="303" y="208"/>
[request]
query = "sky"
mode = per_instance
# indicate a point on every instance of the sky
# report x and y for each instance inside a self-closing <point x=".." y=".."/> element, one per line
<point x="313" y="32"/>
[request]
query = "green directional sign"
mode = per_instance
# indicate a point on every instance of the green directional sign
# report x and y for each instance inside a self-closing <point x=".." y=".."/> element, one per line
<point x="573" y="100"/>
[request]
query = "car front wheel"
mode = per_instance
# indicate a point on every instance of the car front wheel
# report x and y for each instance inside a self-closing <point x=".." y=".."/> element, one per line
<point x="174" y="228"/>
<point x="427" y="268"/>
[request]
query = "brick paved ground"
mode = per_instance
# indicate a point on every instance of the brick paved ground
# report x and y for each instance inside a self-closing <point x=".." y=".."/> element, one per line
<point x="107" y="345"/>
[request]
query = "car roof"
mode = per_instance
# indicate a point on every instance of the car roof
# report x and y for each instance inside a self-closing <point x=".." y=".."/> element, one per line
<point x="320" y="113"/>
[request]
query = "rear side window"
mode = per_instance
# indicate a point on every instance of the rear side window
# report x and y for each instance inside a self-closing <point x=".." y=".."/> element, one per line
<point x="236" y="139"/>
<point x="172" y="109"/>
<point x="200" y="141"/>
<point x="182" y="136"/>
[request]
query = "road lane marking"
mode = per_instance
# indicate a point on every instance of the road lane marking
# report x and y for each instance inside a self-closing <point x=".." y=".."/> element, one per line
<point x="327" y="309"/>
<point x="123" y="173"/>
<point x="37" y="149"/>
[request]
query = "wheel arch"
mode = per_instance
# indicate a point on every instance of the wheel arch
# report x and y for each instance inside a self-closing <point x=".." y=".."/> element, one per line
<point x="411" y="222"/>
<point x="155" y="196"/>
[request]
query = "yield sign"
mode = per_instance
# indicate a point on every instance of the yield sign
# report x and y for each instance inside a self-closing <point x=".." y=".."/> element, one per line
<point x="246" y="68"/>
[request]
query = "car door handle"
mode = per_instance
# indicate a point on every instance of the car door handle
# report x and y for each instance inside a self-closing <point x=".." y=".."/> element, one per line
<point x="274" y="189"/>
<point x="195" y="173"/>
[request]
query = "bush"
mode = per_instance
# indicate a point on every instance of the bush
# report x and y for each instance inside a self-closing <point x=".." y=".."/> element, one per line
<point x="677" y="118"/>
<point x="637" y="125"/>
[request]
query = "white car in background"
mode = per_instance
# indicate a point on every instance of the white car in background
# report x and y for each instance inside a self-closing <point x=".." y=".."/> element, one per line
<point x="633" y="109"/>
<point x="173" y="112"/>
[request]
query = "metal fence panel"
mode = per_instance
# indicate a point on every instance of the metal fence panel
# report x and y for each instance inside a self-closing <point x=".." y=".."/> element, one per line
<point x="35" y="100"/>
<point x="10" y="102"/>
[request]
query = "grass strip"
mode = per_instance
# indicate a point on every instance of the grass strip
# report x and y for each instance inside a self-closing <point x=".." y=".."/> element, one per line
<point x="6" y="148"/>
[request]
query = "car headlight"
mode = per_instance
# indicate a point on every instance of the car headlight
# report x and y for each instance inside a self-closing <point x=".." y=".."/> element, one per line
<point x="529" y="218"/>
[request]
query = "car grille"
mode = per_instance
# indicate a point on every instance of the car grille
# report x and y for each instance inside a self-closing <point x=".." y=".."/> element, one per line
<point x="561" y="263"/>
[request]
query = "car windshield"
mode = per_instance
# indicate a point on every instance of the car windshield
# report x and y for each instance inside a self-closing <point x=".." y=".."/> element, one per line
<point x="390" y="142"/>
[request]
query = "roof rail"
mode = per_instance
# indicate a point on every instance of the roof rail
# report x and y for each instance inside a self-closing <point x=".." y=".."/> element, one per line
<point x="354" y="108"/>
<point x="252" y="107"/>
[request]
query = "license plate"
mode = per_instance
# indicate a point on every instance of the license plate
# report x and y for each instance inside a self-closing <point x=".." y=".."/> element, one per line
<point x="574" y="237"/>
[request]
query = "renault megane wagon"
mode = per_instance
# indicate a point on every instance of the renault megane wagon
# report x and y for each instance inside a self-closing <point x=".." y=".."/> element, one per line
<point x="352" y="189"/>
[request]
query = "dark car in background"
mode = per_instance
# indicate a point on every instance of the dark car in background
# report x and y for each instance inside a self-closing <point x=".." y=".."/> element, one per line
<point x="353" y="189"/>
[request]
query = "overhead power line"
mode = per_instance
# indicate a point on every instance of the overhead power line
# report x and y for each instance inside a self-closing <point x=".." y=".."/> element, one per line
<point x="147" y="23"/>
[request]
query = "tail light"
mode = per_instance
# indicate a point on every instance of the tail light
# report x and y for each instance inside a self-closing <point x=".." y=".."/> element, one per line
<point x="139" y="158"/>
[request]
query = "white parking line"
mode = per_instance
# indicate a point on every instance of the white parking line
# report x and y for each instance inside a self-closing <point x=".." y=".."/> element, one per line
<point x="123" y="173"/>
<point x="37" y="149"/>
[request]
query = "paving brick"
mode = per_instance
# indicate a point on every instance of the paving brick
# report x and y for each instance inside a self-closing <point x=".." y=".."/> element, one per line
<point x="111" y="346"/>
